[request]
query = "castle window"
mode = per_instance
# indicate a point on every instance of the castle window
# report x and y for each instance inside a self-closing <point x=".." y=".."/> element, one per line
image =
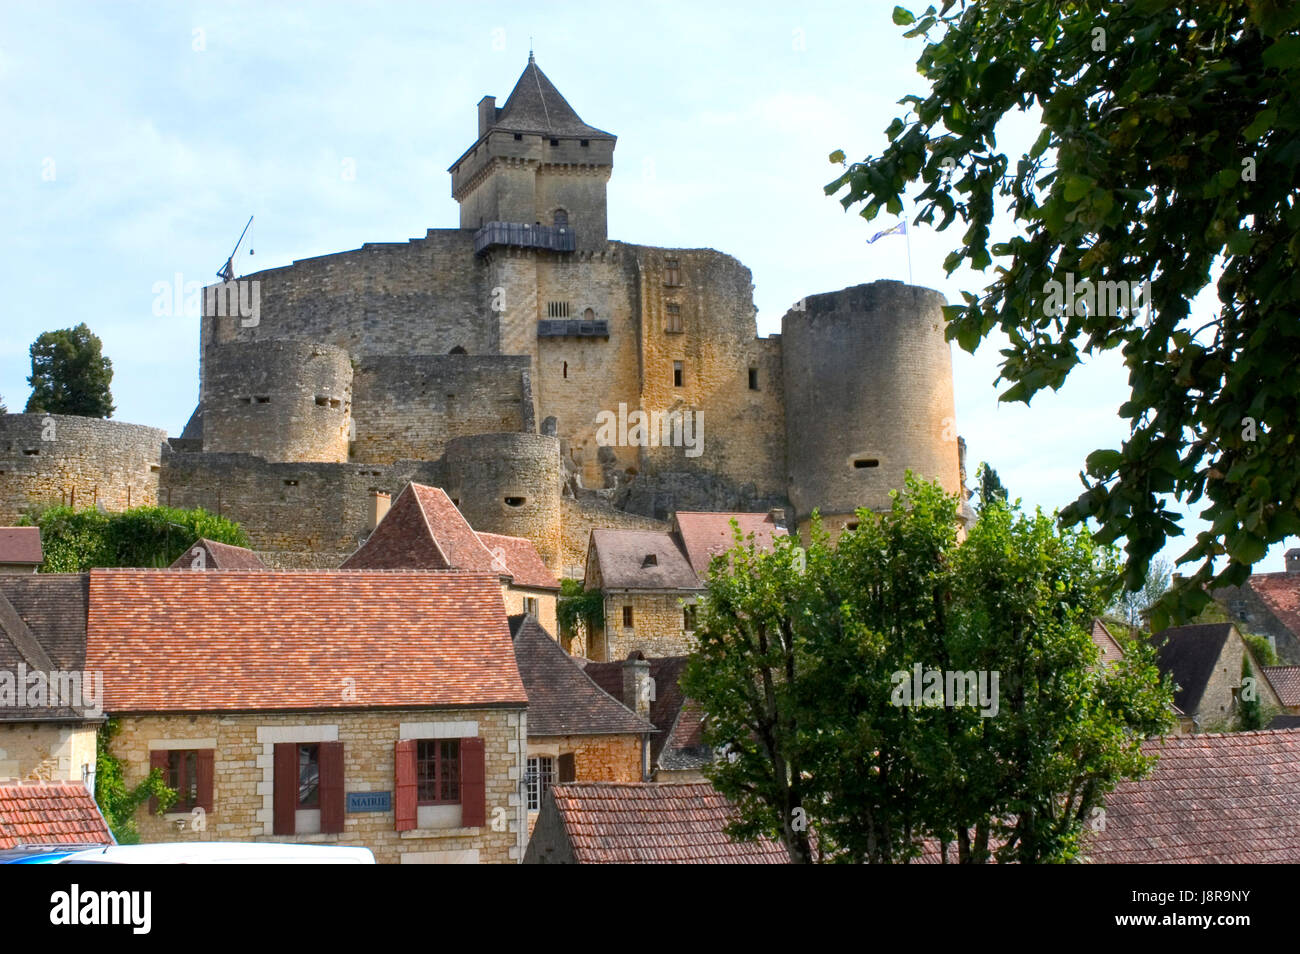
<point x="863" y="462"/>
<point x="32" y="451"/>
<point x="585" y="143"/>
<point x="458" y="350"/>
<point x="588" y="315"/>
<point x="153" y="469"/>
<point x="336" y="403"/>
<point x="263" y="399"/>
<point x="514" y="501"/>
<point x="679" y="374"/>
<point x="627" y="617"/>
<point x="566" y="369"/>
<point x="674" y="313"/>
<point x="851" y="527"/>
<point x="557" y="309"/>
<point x="322" y="401"/>
<point x="672" y="272"/>
<point x="561" y="219"/>
<point x="753" y="379"/>
<point x="518" y="137"/>
<point x="555" y="142"/>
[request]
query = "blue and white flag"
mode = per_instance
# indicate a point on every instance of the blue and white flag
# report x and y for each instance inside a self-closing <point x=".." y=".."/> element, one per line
<point x="899" y="229"/>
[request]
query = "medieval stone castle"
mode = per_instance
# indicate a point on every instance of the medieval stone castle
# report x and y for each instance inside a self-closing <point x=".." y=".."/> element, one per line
<point x="483" y="359"/>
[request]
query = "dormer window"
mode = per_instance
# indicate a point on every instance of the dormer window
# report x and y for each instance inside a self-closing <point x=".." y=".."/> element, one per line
<point x="651" y="559"/>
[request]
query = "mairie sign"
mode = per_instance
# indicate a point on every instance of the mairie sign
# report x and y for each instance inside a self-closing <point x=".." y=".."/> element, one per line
<point x="370" y="802"/>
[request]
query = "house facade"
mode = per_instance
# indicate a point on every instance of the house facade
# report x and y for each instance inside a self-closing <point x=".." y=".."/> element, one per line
<point x="1205" y="661"/>
<point x="356" y="708"/>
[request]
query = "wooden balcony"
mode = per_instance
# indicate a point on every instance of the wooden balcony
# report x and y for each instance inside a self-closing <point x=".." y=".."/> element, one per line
<point x="519" y="235"/>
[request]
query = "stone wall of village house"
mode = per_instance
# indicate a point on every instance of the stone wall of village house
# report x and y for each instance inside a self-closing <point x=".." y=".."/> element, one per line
<point x="242" y="791"/>
<point x="514" y="600"/>
<point x="658" y="627"/>
<point x="581" y="516"/>
<point x="49" y="751"/>
<point x="1216" y="711"/>
<point x="596" y="758"/>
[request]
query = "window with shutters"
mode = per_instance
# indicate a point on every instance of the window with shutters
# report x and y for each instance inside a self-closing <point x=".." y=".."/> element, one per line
<point x="541" y="776"/>
<point x="530" y="606"/>
<point x="672" y="272"/>
<point x="437" y="771"/>
<point x="673" y="311"/>
<point x="307" y="788"/>
<point x="189" y="772"/>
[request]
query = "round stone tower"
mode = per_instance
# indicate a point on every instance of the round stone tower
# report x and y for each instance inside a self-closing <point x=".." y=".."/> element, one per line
<point x="509" y="483"/>
<point x="869" y="396"/>
<point x="281" y="400"/>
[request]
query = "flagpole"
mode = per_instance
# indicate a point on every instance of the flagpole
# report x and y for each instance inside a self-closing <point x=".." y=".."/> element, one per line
<point x="908" y="235"/>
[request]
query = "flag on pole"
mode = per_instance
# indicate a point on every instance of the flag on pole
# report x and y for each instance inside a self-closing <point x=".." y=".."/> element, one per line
<point x="899" y="229"/>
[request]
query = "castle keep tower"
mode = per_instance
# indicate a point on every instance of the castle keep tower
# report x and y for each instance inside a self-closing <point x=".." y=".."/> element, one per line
<point x="535" y="163"/>
<point x="869" y="396"/>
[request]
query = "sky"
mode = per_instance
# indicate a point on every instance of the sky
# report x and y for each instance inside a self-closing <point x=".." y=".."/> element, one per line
<point x="139" y="138"/>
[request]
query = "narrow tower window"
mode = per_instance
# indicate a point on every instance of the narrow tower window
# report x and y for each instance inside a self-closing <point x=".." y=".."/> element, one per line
<point x="753" y="379"/>
<point x="679" y="373"/>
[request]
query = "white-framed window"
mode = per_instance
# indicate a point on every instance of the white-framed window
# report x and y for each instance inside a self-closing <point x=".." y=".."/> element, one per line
<point x="541" y="776"/>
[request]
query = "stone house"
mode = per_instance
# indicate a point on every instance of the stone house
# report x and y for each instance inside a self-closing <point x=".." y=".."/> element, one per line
<point x="1268" y="604"/>
<point x="20" y="549"/>
<point x="632" y="823"/>
<point x="423" y="529"/>
<point x="651" y="579"/>
<point x="576" y="731"/>
<point x="50" y="705"/>
<point x="653" y="686"/>
<point x="376" y="708"/>
<point x="1205" y="661"/>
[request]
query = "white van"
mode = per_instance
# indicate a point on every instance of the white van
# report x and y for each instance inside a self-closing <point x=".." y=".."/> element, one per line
<point x="221" y="853"/>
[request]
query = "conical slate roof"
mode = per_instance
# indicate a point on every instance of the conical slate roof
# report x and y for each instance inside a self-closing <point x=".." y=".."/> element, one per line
<point x="536" y="106"/>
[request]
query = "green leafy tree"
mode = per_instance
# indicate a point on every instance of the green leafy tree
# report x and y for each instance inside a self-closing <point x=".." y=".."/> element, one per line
<point x="70" y="374"/>
<point x="990" y="486"/>
<point x="1166" y="151"/>
<point x="798" y="664"/>
<point x="76" y="540"/>
<point x="1130" y="605"/>
<point x="117" y="801"/>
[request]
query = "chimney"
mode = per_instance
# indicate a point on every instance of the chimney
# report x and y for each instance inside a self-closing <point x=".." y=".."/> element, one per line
<point x="638" y="687"/>
<point x="487" y="114"/>
<point x="379" y="502"/>
<point x="1293" y="560"/>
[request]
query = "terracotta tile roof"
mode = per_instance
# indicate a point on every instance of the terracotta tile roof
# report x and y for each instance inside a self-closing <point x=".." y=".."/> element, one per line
<point x="1189" y="653"/>
<point x="48" y="611"/>
<point x="217" y="556"/>
<point x="521" y="559"/>
<point x="1285" y="681"/>
<point x="562" y="700"/>
<point x="642" y="560"/>
<point x="1110" y="649"/>
<point x="1281" y="592"/>
<point x="1230" y="798"/>
<point x="638" y="823"/>
<point x="229" y="639"/>
<point x="423" y="530"/>
<point x="50" y="813"/>
<point x="704" y="535"/>
<point x="21" y="545"/>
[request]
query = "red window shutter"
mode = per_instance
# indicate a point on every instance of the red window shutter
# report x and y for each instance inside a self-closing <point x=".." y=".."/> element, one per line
<point x="157" y="760"/>
<point x="405" y="805"/>
<point x="205" y="772"/>
<point x="285" y="797"/>
<point x="568" y="771"/>
<point x="473" y="784"/>
<point x="332" y="799"/>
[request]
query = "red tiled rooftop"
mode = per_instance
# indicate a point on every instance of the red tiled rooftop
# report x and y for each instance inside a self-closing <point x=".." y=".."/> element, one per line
<point x="1285" y="681"/>
<point x="50" y="813"/>
<point x="20" y="545"/>
<point x="423" y="530"/>
<point x="521" y="559"/>
<point x="234" y="640"/>
<point x="653" y="823"/>
<point x="705" y="535"/>
<point x="1229" y="798"/>
<point x="217" y="556"/>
